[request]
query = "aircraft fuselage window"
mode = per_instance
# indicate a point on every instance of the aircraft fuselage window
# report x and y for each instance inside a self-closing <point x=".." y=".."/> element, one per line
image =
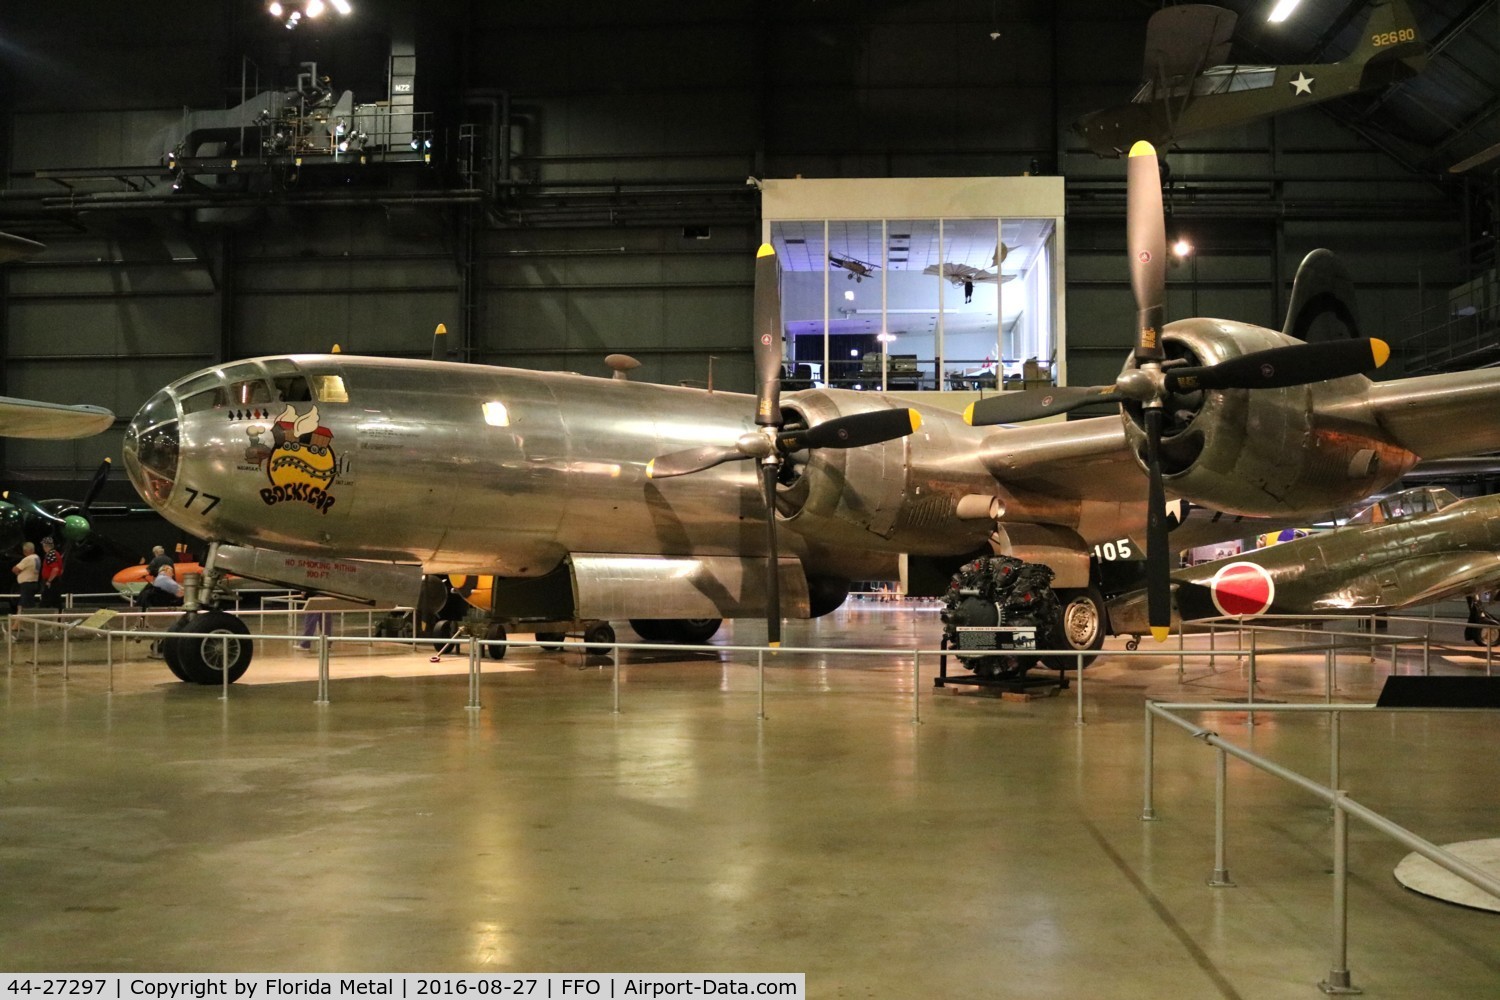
<point x="208" y="399"/>
<point x="293" y="389"/>
<point x="329" y="388"/>
<point x="252" y="391"/>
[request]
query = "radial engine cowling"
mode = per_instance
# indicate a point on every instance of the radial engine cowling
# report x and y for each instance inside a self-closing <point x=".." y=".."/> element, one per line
<point x="1299" y="450"/>
<point x="898" y="496"/>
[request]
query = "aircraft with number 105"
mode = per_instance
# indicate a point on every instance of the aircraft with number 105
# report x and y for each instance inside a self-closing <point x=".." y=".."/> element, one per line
<point x="590" y="500"/>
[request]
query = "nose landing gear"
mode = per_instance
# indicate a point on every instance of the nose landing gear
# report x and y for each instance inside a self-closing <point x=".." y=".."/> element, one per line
<point x="205" y="659"/>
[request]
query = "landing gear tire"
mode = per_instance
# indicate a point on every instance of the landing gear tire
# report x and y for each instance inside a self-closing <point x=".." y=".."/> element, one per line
<point x="1081" y="625"/>
<point x="205" y="659"/>
<point x="495" y="632"/>
<point x="598" y="638"/>
<point x="441" y="634"/>
<point x="677" y="631"/>
<point x="167" y="652"/>
<point x="649" y="629"/>
<point x="692" y="631"/>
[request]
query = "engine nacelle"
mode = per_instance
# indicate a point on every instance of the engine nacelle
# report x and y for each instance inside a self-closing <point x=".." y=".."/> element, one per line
<point x="1264" y="452"/>
<point x="908" y="489"/>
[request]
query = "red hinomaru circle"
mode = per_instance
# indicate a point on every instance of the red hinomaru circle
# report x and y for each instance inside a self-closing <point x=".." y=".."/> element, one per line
<point x="1242" y="589"/>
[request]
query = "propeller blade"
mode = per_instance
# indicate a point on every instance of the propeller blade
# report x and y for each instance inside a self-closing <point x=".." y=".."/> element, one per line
<point x="853" y="431"/>
<point x="1296" y="364"/>
<point x="691" y="460"/>
<point x="1158" y="558"/>
<point x="101" y="476"/>
<point x="1147" y="239"/>
<point x="766" y="325"/>
<point x="768" y="471"/>
<point x="439" y="343"/>
<point x="1031" y="404"/>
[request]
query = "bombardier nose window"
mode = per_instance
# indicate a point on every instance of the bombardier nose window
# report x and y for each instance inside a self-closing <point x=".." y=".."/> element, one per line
<point x="151" y="448"/>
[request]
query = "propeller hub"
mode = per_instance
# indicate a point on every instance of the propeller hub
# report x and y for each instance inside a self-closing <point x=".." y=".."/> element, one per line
<point x="75" y="528"/>
<point x="757" y="444"/>
<point x="1142" y="384"/>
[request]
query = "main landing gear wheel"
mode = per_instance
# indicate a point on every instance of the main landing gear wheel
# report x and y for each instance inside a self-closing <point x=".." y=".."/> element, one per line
<point x="440" y="632"/>
<point x="1082" y="625"/>
<point x="598" y="638"/>
<point x="205" y="659"/>
<point x="495" y="632"/>
<point x="164" y="649"/>
<point x="677" y="631"/>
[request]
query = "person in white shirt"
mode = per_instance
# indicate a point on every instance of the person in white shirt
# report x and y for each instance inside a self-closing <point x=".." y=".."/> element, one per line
<point x="28" y="576"/>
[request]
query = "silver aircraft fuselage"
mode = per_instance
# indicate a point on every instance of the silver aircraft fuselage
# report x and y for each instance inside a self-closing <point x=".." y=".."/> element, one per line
<point x="474" y="469"/>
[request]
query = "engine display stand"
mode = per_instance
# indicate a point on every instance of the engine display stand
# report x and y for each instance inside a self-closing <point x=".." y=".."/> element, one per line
<point x="1019" y="683"/>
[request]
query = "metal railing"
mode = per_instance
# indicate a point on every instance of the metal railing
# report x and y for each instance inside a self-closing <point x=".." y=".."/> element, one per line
<point x="1252" y="643"/>
<point x="1338" y="981"/>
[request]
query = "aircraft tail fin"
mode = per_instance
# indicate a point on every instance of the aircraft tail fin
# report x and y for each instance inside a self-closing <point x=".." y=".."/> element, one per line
<point x="1322" y="306"/>
<point x="1390" y="33"/>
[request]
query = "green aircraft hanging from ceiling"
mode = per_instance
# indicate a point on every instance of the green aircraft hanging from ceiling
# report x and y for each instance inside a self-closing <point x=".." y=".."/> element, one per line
<point x="1186" y="87"/>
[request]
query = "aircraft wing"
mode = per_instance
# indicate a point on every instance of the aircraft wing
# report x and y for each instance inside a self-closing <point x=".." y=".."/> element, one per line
<point x="30" y="418"/>
<point x="17" y="248"/>
<point x="1184" y="40"/>
<point x="1072" y="459"/>
<point x="1441" y="416"/>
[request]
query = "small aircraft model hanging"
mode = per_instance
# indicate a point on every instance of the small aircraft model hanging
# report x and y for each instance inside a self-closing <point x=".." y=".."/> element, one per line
<point x="1186" y="88"/>
<point x="1411" y="548"/>
<point x="598" y="499"/>
<point x="858" y="270"/>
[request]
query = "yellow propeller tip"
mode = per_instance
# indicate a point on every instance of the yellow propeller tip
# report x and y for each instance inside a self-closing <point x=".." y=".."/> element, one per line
<point x="440" y="329"/>
<point x="1160" y="632"/>
<point x="916" y="420"/>
<point x="1143" y="148"/>
<point x="108" y="460"/>
<point x="1381" y="350"/>
<point x="650" y="468"/>
<point x="766" y="250"/>
<point x="969" y="414"/>
<point x="775" y="645"/>
<point x="336" y="349"/>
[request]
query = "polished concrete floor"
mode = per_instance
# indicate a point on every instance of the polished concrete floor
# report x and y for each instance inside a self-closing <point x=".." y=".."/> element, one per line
<point x="996" y="849"/>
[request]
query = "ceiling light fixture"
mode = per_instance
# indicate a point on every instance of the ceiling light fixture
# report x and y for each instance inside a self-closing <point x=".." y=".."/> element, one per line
<point x="292" y="12"/>
<point x="1282" y="10"/>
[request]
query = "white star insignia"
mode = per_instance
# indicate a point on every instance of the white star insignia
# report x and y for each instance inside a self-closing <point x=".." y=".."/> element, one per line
<point x="1302" y="85"/>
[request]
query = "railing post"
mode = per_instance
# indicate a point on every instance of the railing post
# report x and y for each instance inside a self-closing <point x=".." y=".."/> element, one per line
<point x="916" y="687"/>
<point x="1078" y="671"/>
<point x="473" y="702"/>
<point x="760" y="673"/>
<point x="322" y="698"/>
<point x="1427" y="654"/>
<point x="1181" y="656"/>
<point x="614" y="679"/>
<point x="1148" y="810"/>
<point x="1338" y="982"/>
<point x="1335" y="736"/>
<point x="1251" y="697"/>
<point x="1220" y="878"/>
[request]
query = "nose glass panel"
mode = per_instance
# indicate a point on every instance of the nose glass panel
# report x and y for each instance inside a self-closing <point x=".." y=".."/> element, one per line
<point x="151" y="449"/>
